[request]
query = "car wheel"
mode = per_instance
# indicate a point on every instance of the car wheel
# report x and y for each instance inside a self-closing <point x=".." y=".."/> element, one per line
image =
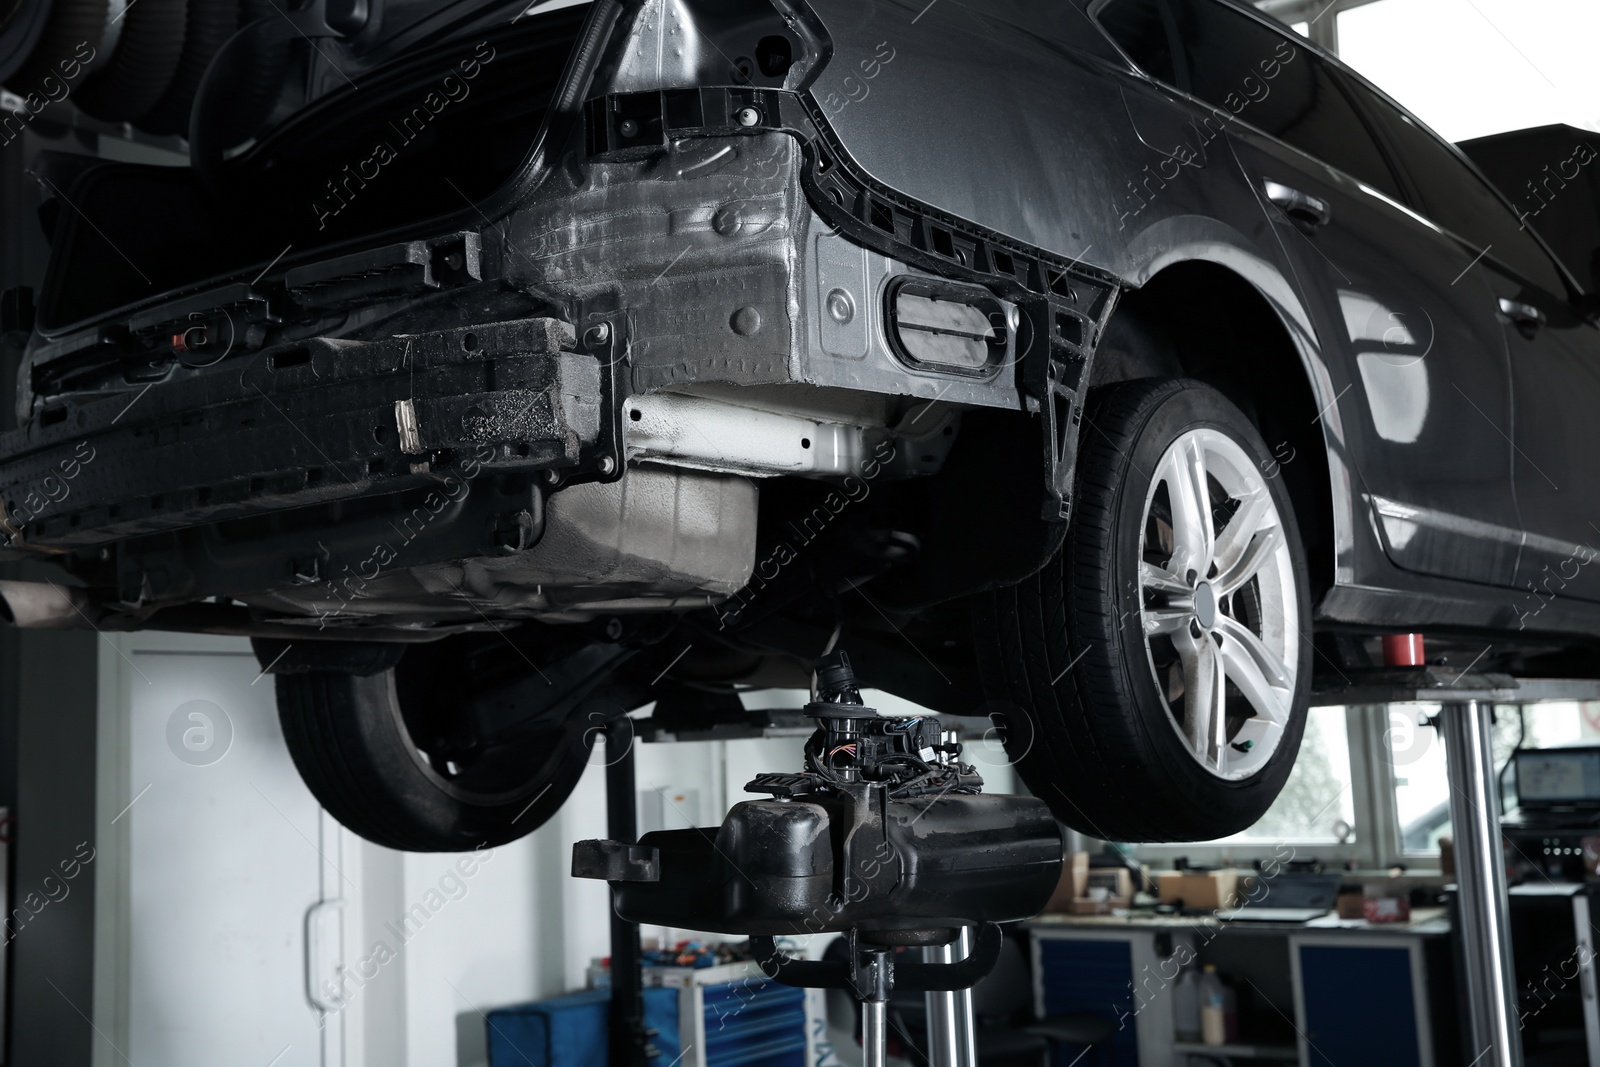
<point x="384" y="753"/>
<point x="1157" y="670"/>
<point x="138" y="71"/>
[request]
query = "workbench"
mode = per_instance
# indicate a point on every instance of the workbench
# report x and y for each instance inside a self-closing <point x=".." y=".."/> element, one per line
<point x="1315" y="980"/>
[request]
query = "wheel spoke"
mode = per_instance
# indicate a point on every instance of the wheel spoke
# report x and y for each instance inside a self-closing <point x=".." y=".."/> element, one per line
<point x="1261" y="549"/>
<point x="1192" y="533"/>
<point x="1203" y="699"/>
<point x="1255" y="513"/>
<point x="1259" y="675"/>
<point x="1157" y="579"/>
<point x="1165" y="620"/>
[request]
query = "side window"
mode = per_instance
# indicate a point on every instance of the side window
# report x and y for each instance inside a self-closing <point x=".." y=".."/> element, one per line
<point x="1458" y="200"/>
<point x="1268" y="81"/>
<point x="1140" y="30"/>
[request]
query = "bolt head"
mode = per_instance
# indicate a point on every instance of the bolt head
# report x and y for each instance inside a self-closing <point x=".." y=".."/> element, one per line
<point x="728" y="220"/>
<point x="747" y="116"/>
<point x="628" y="128"/>
<point x="607" y="465"/>
<point x="841" y="307"/>
<point x="598" y="334"/>
<point x="745" y="321"/>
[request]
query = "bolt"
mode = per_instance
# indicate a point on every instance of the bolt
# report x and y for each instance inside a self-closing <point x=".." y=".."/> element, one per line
<point x="728" y="220"/>
<point x="1191" y="577"/>
<point x="552" y="477"/>
<point x="747" y="116"/>
<point x="613" y="628"/>
<point x="607" y="465"/>
<point x="628" y="128"/>
<point x="598" y="334"/>
<point x="745" y="321"/>
<point x="1194" y="627"/>
<point x="841" y="308"/>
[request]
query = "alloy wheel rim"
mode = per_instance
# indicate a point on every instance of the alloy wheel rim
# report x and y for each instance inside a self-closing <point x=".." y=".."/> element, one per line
<point x="1218" y="605"/>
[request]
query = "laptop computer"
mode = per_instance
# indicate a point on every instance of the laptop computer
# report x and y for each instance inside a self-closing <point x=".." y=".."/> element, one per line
<point x="1288" y="898"/>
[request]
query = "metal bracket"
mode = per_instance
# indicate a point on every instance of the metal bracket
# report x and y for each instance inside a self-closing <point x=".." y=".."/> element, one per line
<point x="615" y="861"/>
<point x="605" y="336"/>
<point x="1055" y="361"/>
<point x="861" y="976"/>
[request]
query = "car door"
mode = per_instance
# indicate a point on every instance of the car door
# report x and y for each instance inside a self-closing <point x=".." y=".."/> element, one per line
<point x="1413" y="347"/>
<point x="1554" y="355"/>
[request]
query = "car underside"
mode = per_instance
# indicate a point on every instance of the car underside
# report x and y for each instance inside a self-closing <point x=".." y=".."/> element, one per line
<point x="573" y="362"/>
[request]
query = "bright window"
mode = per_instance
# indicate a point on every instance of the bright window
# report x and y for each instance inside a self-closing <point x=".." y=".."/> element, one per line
<point x="1416" y="754"/>
<point x="1317" y="797"/>
<point x="1470" y="68"/>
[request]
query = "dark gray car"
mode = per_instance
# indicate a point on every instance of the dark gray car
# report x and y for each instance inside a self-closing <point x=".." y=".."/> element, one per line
<point x="1105" y="368"/>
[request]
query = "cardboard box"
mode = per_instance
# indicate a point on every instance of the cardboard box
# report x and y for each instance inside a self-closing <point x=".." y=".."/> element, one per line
<point x="1074" y="884"/>
<point x="1116" y="881"/>
<point x="1386" y="903"/>
<point x="1387" y="910"/>
<point x="1200" y="890"/>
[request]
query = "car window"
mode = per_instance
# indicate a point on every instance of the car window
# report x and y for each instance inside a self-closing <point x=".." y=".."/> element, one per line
<point x="1237" y="64"/>
<point x="1139" y="28"/>
<point x="1458" y="200"/>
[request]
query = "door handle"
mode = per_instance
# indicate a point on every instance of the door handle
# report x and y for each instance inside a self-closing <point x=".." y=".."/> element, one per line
<point x="1304" y="210"/>
<point x="325" y="955"/>
<point x="1525" y="317"/>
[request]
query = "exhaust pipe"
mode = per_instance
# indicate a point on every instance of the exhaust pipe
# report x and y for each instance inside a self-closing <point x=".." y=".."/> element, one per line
<point x="46" y="606"/>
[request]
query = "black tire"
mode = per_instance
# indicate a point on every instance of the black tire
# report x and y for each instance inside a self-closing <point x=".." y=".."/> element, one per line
<point x="1064" y="652"/>
<point x="210" y="23"/>
<point x="350" y="740"/>
<point x="22" y="23"/>
<point x="67" y="42"/>
<point x="139" y="71"/>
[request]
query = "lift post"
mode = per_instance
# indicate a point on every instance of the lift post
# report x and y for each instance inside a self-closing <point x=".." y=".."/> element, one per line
<point x="952" y="1038"/>
<point x="1492" y="1022"/>
<point x="1484" y="912"/>
<point x="630" y="1041"/>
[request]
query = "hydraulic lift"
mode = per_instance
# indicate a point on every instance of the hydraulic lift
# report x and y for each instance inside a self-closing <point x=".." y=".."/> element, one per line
<point x="883" y="836"/>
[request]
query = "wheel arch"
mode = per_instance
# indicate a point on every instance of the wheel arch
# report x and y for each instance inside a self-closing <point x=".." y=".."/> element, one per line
<point x="1211" y="320"/>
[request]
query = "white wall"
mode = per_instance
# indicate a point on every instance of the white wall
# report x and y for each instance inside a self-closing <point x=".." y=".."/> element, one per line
<point x="207" y="882"/>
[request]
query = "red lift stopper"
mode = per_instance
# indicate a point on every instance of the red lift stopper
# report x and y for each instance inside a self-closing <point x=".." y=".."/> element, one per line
<point x="1403" y="650"/>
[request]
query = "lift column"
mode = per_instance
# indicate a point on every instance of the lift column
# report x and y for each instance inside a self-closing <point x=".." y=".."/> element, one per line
<point x="1483" y="909"/>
